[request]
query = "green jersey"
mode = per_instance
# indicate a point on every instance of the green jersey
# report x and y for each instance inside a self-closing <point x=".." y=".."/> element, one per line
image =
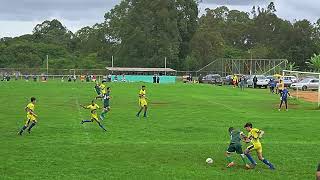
<point x="235" y="137"/>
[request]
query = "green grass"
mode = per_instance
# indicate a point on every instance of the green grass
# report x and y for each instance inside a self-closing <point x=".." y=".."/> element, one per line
<point x="186" y="124"/>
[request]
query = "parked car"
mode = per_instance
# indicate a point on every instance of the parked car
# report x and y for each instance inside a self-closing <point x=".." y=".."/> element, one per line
<point x="288" y="80"/>
<point x="306" y="84"/>
<point x="212" y="79"/>
<point x="262" y="81"/>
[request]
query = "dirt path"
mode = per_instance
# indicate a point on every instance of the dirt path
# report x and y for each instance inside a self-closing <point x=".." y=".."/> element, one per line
<point x="309" y="96"/>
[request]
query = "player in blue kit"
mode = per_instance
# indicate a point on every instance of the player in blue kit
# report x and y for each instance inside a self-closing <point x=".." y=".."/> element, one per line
<point x="284" y="98"/>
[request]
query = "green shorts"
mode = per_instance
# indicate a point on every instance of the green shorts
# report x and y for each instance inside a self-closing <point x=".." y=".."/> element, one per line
<point x="235" y="148"/>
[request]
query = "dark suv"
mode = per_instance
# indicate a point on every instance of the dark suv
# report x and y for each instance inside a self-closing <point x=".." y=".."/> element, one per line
<point x="212" y="79"/>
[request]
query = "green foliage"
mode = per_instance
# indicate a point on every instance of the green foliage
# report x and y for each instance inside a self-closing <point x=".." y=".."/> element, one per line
<point x="315" y="62"/>
<point x="143" y="32"/>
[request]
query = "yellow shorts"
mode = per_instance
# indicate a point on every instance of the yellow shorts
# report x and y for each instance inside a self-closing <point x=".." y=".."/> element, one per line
<point x="94" y="117"/>
<point x="143" y="102"/>
<point x="30" y="118"/>
<point x="257" y="148"/>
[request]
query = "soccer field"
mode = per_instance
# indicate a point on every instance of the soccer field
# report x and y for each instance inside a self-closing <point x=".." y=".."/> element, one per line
<point x="185" y="125"/>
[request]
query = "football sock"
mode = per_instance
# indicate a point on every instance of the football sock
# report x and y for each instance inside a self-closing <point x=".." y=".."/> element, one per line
<point x="102" y="126"/>
<point x="267" y="163"/>
<point x="103" y="114"/>
<point x="229" y="159"/>
<point x="139" y="112"/>
<point x="243" y="159"/>
<point x="250" y="159"/>
<point x="23" y="128"/>
<point x="86" y="121"/>
<point x="31" y="126"/>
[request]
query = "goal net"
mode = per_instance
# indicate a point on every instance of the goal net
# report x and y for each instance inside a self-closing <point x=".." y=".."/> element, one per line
<point x="303" y="85"/>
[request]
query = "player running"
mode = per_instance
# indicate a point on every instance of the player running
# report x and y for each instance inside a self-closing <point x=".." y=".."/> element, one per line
<point x="143" y="102"/>
<point x="102" y="88"/>
<point x="106" y="103"/>
<point x="254" y="136"/>
<point x="31" y="117"/>
<point x="94" y="116"/>
<point x="284" y="98"/>
<point x="97" y="89"/>
<point x="235" y="146"/>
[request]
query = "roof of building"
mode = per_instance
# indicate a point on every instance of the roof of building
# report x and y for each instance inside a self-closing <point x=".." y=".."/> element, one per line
<point x="134" y="69"/>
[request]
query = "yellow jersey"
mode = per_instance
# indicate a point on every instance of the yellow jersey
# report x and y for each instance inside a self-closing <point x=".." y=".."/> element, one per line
<point x="93" y="109"/>
<point x="142" y="94"/>
<point x="103" y="88"/>
<point x="31" y="107"/>
<point x="254" y="136"/>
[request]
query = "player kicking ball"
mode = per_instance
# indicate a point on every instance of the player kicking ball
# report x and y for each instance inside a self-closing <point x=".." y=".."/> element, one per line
<point x="254" y="136"/>
<point x="143" y="102"/>
<point x="94" y="116"/>
<point x="31" y="117"/>
<point x="106" y="103"/>
<point x="284" y="98"/>
<point x="235" y="147"/>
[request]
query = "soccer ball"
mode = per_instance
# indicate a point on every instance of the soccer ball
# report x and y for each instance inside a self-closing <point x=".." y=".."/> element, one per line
<point x="209" y="160"/>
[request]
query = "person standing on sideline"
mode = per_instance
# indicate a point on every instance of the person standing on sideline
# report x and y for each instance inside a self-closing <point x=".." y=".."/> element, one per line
<point x="255" y="80"/>
<point x="158" y="79"/>
<point x="154" y="78"/>
<point x="242" y="82"/>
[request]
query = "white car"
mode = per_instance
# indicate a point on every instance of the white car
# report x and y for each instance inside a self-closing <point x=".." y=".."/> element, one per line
<point x="306" y="84"/>
<point x="262" y="81"/>
<point x="288" y="80"/>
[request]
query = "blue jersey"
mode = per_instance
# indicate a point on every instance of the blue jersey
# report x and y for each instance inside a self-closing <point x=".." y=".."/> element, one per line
<point x="272" y="83"/>
<point x="284" y="94"/>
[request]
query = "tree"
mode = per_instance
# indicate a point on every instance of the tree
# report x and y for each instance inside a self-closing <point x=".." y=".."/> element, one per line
<point x="315" y="63"/>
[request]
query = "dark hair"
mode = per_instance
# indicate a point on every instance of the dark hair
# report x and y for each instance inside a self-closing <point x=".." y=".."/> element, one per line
<point x="108" y="88"/>
<point x="143" y="86"/>
<point x="231" y="129"/>
<point x="33" y="99"/>
<point x="248" y="125"/>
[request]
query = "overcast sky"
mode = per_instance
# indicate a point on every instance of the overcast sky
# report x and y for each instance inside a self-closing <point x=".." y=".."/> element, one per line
<point x="18" y="17"/>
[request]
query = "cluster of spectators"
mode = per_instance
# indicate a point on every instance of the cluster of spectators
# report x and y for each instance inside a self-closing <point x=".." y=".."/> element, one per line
<point x="156" y="78"/>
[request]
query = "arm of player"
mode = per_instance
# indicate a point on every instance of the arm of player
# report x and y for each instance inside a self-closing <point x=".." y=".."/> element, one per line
<point x="261" y="133"/>
<point x="83" y="106"/>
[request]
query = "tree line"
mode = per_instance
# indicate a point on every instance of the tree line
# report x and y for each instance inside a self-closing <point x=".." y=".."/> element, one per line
<point x="141" y="33"/>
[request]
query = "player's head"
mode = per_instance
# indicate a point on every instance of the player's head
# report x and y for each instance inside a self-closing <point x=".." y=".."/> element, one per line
<point x="230" y="129"/>
<point x="92" y="102"/>
<point x="108" y="89"/>
<point x="143" y="87"/>
<point x="33" y="100"/>
<point x="248" y="126"/>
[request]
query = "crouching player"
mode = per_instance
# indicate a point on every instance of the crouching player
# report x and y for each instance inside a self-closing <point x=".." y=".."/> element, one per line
<point x="94" y="116"/>
<point x="254" y="136"/>
<point x="31" y="117"/>
<point x="235" y="146"/>
<point x="106" y="103"/>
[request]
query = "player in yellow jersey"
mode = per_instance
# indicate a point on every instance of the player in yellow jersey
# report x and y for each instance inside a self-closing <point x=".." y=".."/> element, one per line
<point x="143" y="102"/>
<point x="31" y="117"/>
<point x="103" y="89"/>
<point x="94" y="116"/>
<point x="254" y="136"/>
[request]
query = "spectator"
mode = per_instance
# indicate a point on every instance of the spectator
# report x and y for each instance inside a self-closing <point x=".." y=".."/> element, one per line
<point x="255" y="80"/>
<point x="242" y="82"/>
<point x="154" y="78"/>
<point x="34" y="78"/>
<point x="87" y="78"/>
<point x="109" y="77"/>
<point x="123" y="78"/>
<point x="272" y="85"/>
<point x="158" y="79"/>
<point x="115" y="78"/>
<point x="69" y="79"/>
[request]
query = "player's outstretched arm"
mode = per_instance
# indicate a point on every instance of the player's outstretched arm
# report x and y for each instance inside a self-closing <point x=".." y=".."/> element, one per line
<point x="83" y="106"/>
<point x="261" y="133"/>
